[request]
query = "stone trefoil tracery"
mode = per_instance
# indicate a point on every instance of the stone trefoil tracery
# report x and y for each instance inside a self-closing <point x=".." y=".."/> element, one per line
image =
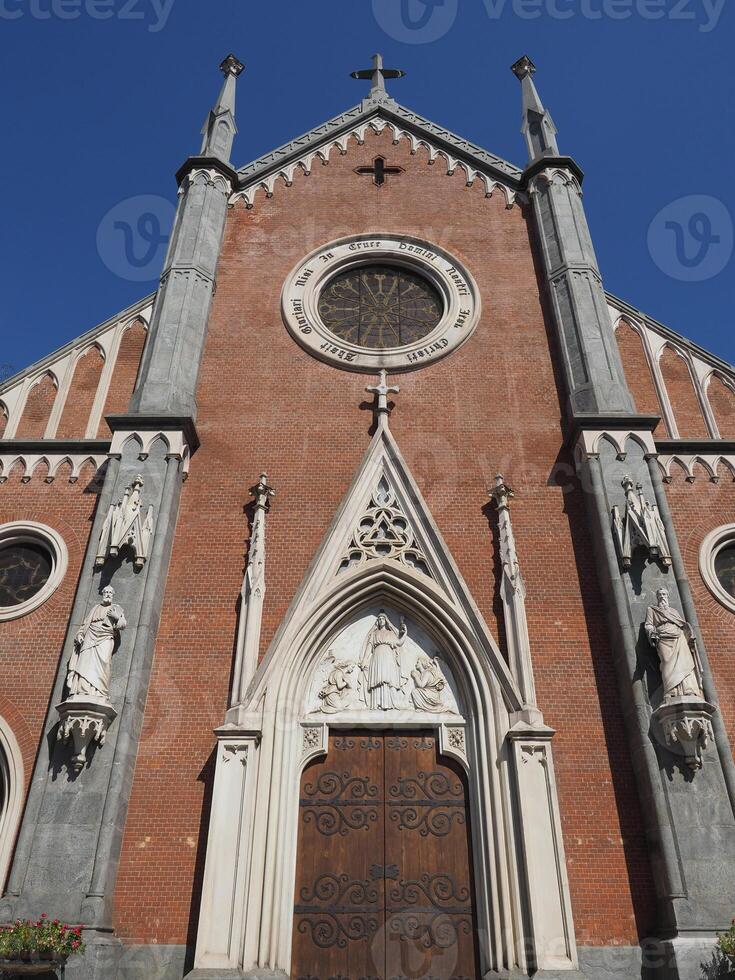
<point x="384" y="532"/>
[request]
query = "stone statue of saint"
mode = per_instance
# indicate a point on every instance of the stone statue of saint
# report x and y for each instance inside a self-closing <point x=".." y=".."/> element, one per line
<point x="429" y="685"/>
<point x="381" y="664"/>
<point x="336" y="694"/>
<point x="94" y="645"/>
<point x="673" y="639"/>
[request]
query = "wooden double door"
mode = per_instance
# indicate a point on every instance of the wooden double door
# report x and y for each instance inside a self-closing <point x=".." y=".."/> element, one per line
<point x="384" y="887"/>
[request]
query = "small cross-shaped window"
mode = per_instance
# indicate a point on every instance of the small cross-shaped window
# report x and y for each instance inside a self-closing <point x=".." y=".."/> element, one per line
<point x="379" y="171"/>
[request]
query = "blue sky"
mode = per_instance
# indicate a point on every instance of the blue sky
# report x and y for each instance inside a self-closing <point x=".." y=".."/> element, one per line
<point x="104" y="99"/>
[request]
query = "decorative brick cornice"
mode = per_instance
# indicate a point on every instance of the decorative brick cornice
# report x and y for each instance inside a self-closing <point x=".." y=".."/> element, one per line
<point x="54" y="453"/>
<point x="438" y="143"/>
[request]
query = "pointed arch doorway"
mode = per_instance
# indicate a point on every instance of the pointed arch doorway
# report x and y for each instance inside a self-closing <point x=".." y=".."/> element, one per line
<point x="384" y="882"/>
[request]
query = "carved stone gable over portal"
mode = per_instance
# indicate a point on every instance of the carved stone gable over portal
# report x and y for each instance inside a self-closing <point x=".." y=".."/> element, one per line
<point x="384" y="531"/>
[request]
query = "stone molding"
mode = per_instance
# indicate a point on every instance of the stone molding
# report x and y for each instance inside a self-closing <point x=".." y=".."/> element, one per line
<point x="386" y="112"/>
<point x="712" y="543"/>
<point x="34" y="532"/>
<point x="52" y="459"/>
<point x="11" y="803"/>
<point x="588" y="442"/>
<point x="300" y="298"/>
<point x="542" y="848"/>
<point x="267" y="183"/>
<point x="711" y="462"/>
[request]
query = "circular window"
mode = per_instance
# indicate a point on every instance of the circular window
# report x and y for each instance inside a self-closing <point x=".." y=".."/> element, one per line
<point x="717" y="564"/>
<point x="393" y="302"/>
<point x="380" y="306"/>
<point x="725" y="568"/>
<point x="33" y="560"/>
<point x="25" y="568"/>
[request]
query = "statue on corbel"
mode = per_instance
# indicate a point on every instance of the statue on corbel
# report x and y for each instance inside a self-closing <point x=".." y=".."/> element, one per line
<point x="684" y="714"/>
<point x="126" y="527"/>
<point x="640" y="527"/>
<point x="87" y="711"/>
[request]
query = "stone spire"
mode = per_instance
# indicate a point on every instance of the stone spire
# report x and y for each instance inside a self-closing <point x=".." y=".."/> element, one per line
<point x="538" y="127"/>
<point x="219" y="128"/>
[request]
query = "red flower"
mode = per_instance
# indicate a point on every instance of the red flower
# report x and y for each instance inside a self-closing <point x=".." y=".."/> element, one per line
<point x="43" y="915"/>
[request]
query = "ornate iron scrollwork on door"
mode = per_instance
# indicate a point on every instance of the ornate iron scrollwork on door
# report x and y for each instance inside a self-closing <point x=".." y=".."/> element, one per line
<point x="429" y="803"/>
<point x="339" y="803"/>
<point x="337" y="909"/>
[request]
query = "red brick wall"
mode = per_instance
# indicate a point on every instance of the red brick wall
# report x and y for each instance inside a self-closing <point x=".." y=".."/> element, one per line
<point x="722" y="400"/>
<point x="30" y="647"/>
<point x="682" y="396"/>
<point x="37" y="409"/>
<point x="698" y="508"/>
<point x="491" y="406"/>
<point x="124" y="374"/>
<point x="638" y="371"/>
<point x="75" y="416"/>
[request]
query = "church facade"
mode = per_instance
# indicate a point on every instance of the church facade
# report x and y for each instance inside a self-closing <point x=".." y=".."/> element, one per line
<point x="367" y="592"/>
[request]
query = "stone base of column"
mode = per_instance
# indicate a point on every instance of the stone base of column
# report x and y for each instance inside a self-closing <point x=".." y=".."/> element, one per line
<point x="237" y="975"/>
<point x="692" y="959"/>
<point x="100" y="961"/>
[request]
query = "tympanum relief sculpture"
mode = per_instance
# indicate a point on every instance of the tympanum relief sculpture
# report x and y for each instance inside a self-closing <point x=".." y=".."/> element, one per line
<point x="684" y="714"/>
<point x="376" y="666"/>
<point x="87" y="712"/>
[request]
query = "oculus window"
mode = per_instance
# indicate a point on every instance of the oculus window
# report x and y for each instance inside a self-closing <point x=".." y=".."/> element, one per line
<point x="33" y="561"/>
<point x="380" y="306"/>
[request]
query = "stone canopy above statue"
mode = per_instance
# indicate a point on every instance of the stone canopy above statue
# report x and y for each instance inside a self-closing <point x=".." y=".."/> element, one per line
<point x="383" y="663"/>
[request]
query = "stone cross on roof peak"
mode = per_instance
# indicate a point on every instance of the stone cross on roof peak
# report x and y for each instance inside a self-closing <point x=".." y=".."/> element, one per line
<point x="377" y="75"/>
<point x="382" y="390"/>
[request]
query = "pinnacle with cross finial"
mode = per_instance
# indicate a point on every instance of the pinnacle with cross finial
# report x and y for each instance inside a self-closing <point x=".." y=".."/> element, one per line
<point x="382" y="390"/>
<point x="262" y="491"/>
<point x="377" y="75"/>
<point x="501" y="493"/>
